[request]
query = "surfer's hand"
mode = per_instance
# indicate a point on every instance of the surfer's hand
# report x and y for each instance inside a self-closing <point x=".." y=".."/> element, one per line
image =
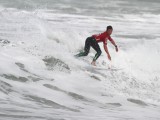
<point x="109" y="57"/>
<point x="116" y="48"/>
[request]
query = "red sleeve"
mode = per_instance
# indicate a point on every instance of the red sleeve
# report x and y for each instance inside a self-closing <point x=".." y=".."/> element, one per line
<point x="110" y="39"/>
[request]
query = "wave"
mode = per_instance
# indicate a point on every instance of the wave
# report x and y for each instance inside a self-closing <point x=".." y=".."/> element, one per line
<point x="40" y="73"/>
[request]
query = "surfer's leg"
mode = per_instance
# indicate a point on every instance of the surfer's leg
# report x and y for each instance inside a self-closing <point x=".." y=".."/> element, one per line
<point x="97" y="49"/>
<point x="86" y="48"/>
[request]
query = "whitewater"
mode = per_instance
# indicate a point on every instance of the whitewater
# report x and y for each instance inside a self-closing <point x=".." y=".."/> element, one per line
<point x="40" y="79"/>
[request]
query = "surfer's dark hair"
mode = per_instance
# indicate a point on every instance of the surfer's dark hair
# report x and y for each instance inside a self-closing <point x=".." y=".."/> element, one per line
<point x="109" y="27"/>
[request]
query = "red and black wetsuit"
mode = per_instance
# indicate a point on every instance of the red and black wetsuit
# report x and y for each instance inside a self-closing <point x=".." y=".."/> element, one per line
<point x="93" y="42"/>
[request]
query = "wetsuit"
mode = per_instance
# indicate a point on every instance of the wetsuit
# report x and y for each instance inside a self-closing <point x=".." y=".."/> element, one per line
<point x="93" y="41"/>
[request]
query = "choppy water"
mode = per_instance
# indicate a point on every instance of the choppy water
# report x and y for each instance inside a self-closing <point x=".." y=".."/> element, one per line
<point x="41" y="80"/>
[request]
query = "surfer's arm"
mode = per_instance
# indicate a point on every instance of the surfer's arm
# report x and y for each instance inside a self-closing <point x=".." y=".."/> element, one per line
<point x="113" y="42"/>
<point x="106" y="50"/>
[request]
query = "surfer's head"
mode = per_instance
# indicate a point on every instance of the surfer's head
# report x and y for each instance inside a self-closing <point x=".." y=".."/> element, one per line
<point x="109" y="29"/>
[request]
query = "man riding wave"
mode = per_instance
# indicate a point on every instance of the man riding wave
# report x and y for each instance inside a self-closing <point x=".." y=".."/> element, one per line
<point x="93" y="42"/>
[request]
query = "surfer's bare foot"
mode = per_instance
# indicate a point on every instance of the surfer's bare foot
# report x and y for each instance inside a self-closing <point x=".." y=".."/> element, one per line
<point x="93" y="63"/>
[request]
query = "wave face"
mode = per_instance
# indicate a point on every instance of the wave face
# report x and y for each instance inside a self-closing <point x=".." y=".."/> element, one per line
<point x="40" y="79"/>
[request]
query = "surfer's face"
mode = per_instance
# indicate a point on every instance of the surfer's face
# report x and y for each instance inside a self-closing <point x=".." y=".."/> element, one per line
<point x="109" y="31"/>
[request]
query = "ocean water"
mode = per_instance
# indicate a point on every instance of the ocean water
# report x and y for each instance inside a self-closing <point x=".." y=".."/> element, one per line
<point x="40" y="79"/>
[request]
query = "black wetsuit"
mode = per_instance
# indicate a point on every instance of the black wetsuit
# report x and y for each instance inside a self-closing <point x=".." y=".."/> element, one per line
<point x="91" y="41"/>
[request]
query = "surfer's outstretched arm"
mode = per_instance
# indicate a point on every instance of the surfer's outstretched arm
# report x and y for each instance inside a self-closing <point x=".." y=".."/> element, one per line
<point x="106" y="50"/>
<point x="113" y="42"/>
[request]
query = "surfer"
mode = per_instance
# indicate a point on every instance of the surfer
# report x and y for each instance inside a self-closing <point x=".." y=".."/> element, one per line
<point x="93" y="42"/>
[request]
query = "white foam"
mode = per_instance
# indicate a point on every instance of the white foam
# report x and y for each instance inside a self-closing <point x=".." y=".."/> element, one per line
<point x="61" y="36"/>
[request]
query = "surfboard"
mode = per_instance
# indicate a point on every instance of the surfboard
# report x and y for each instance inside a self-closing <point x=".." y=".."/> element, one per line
<point x="107" y="68"/>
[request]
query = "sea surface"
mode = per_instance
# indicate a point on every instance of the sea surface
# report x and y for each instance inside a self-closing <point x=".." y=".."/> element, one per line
<point x="40" y="79"/>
